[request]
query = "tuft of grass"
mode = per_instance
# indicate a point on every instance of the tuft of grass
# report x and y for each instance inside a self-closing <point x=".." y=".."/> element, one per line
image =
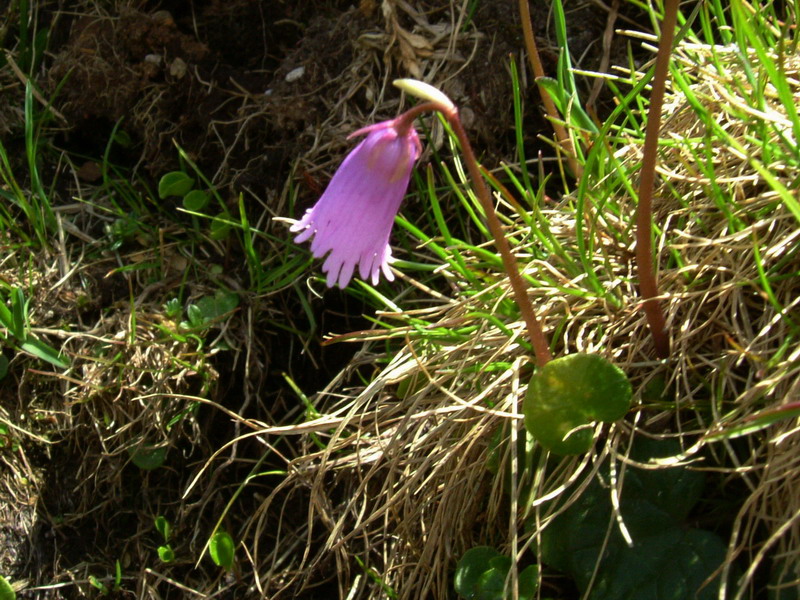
<point x="405" y="469"/>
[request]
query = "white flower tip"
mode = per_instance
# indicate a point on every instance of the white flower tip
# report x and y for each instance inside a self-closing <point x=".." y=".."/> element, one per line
<point x="426" y="91"/>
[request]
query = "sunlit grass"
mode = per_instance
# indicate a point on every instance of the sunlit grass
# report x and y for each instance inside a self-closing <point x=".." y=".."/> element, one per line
<point x="725" y="231"/>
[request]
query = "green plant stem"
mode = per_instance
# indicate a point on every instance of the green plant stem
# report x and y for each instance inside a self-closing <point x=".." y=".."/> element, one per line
<point x="648" y="284"/>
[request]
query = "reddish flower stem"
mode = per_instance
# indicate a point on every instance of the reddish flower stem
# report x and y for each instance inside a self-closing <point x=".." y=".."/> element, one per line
<point x="540" y="346"/>
<point x="648" y="284"/>
<point x="538" y="340"/>
<point x="405" y="121"/>
<point x="538" y="72"/>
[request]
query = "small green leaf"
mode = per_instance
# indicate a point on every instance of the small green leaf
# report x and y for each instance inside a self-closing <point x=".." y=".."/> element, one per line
<point x="6" y="591"/>
<point x="166" y="554"/>
<point x="98" y="584"/>
<point x="18" y="313"/>
<point x="566" y="395"/>
<point x="148" y="457"/>
<point x="470" y="568"/>
<point x="568" y="105"/>
<point x="528" y="582"/>
<point x="162" y="526"/>
<point x="174" y="183"/>
<point x="214" y="307"/>
<point x="491" y="585"/>
<point x="195" y="316"/>
<point x="117" y="575"/>
<point x="221" y="548"/>
<point x="482" y="572"/>
<point x="195" y="201"/>
<point x="173" y="308"/>
<point x="219" y="230"/>
<point x="122" y="138"/>
<point x="6" y="320"/>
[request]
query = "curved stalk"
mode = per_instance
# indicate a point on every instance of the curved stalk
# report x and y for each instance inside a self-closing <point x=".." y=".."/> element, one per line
<point x="538" y="71"/>
<point x="540" y="346"/>
<point x="538" y="340"/>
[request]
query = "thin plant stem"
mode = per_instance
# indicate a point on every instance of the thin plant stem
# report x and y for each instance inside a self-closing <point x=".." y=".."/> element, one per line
<point x="540" y="346"/>
<point x="648" y="284"/>
<point x="538" y="71"/>
<point x="405" y="121"/>
<point x="538" y="340"/>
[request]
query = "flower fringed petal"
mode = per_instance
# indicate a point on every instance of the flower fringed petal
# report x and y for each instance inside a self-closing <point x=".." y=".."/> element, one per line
<point x="352" y="220"/>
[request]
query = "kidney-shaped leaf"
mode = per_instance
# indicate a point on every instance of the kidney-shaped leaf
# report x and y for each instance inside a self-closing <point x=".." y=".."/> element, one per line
<point x="668" y="559"/>
<point x="569" y="393"/>
<point x="174" y="183"/>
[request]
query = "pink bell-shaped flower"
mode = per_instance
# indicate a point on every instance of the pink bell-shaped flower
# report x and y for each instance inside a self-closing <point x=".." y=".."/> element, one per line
<point x="353" y="218"/>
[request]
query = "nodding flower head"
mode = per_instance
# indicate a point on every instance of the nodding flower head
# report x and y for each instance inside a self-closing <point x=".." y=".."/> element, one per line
<point x="353" y="218"/>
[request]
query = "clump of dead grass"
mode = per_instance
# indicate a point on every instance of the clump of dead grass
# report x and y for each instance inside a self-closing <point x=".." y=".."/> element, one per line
<point x="401" y="480"/>
<point x="748" y="263"/>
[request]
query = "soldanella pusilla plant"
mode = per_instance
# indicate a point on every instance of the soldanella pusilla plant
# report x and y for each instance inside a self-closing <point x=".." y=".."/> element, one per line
<point x="350" y="227"/>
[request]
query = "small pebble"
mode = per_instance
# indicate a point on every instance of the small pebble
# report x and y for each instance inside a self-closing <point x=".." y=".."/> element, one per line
<point x="178" y="68"/>
<point x="295" y="74"/>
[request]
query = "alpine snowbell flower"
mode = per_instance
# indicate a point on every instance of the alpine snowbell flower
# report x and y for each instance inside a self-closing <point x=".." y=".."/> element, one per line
<point x="353" y="218"/>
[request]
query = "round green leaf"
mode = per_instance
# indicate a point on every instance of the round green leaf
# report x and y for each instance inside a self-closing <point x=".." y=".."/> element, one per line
<point x="470" y="568"/>
<point x="148" y="457"/>
<point x="174" y="183"/>
<point x="195" y="201"/>
<point x="482" y="572"/>
<point x="221" y="303"/>
<point x="221" y="548"/>
<point x="668" y="560"/>
<point x="166" y="554"/>
<point x="491" y="585"/>
<point x="528" y="582"/>
<point x="566" y="395"/>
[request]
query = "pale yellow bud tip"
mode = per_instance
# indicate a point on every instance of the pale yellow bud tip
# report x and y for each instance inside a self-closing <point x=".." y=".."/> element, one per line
<point x="423" y="90"/>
